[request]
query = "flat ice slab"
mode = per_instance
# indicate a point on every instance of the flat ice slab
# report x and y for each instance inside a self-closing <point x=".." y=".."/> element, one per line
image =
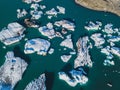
<point x="38" y="45"/>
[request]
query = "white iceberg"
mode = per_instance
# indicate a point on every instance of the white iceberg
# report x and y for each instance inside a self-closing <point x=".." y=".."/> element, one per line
<point x="38" y="45"/>
<point x="67" y="42"/>
<point x="21" y="13"/>
<point x="65" y="24"/>
<point x="98" y="39"/>
<point x="51" y="51"/>
<point x="48" y="31"/>
<point x="108" y="29"/>
<point x="61" y="9"/>
<point x="93" y="26"/>
<point x="116" y="51"/>
<point x="65" y="58"/>
<point x="11" y="71"/>
<point x="12" y="34"/>
<point x="37" y="84"/>
<point x="114" y="39"/>
<point x="77" y="76"/>
<point x="35" y="6"/>
<point x="83" y="57"/>
<point x="30" y="1"/>
<point x="36" y="14"/>
<point x="108" y="62"/>
<point x="52" y="12"/>
<point x="42" y="7"/>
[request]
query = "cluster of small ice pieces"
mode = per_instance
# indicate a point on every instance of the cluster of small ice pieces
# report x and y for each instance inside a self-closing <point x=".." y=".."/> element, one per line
<point x="77" y="76"/>
<point x="67" y="42"/>
<point x="109" y="35"/>
<point x="65" y="24"/>
<point x="21" y="13"/>
<point x="93" y="25"/>
<point x="11" y="71"/>
<point x="53" y="12"/>
<point x="36" y="14"/>
<point x="83" y="57"/>
<point x="110" y="51"/>
<point x="37" y="84"/>
<point x="12" y="34"/>
<point x="38" y="45"/>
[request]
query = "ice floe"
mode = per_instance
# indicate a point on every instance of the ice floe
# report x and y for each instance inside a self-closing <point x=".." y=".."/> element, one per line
<point x="65" y="24"/>
<point x="21" y="13"/>
<point x="65" y="58"/>
<point x="77" y="77"/>
<point x="38" y="45"/>
<point x="11" y="71"/>
<point x="12" y="34"/>
<point x="67" y="42"/>
<point x="83" y="56"/>
<point x="98" y="39"/>
<point x="37" y="84"/>
<point x="48" y="31"/>
<point x="93" y="25"/>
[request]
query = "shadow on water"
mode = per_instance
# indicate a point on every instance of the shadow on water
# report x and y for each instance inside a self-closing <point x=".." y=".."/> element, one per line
<point x="67" y="68"/>
<point x="86" y="69"/>
<point x="19" y="53"/>
<point x="49" y="80"/>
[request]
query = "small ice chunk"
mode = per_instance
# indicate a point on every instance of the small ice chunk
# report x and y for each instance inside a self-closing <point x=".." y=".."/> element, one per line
<point x="66" y="58"/>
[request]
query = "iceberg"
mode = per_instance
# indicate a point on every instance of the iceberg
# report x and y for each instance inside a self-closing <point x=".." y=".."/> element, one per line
<point x="83" y="57"/>
<point x="52" y="12"/>
<point x="42" y="7"/>
<point x="30" y="1"/>
<point x="77" y="76"/>
<point x="37" y="84"/>
<point x="108" y="62"/>
<point x="108" y="29"/>
<point x="35" y="6"/>
<point x="61" y="9"/>
<point x="51" y="51"/>
<point x="114" y="39"/>
<point x="116" y="51"/>
<point x="11" y="71"/>
<point x="98" y="39"/>
<point x="12" y="34"/>
<point x="21" y="13"/>
<point x="48" y="31"/>
<point x="93" y="26"/>
<point x="67" y="42"/>
<point x="36" y="14"/>
<point x="65" y="24"/>
<point x="38" y="45"/>
<point x="66" y="58"/>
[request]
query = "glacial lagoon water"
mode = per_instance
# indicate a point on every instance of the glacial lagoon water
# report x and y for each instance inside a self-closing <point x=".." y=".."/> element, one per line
<point x="52" y="64"/>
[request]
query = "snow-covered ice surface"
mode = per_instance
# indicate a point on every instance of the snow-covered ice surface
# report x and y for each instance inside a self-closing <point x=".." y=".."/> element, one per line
<point x="48" y="31"/>
<point x="37" y="84"/>
<point x="12" y="34"/>
<point x="67" y="42"/>
<point x="78" y="76"/>
<point x="65" y="24"/>
<point x="83" y="56"/>
<point x="11" y="71"/>
<point x="38" y="45"/>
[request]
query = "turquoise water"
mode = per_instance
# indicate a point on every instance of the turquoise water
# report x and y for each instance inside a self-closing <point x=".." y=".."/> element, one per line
<point x="52" y="64"/>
